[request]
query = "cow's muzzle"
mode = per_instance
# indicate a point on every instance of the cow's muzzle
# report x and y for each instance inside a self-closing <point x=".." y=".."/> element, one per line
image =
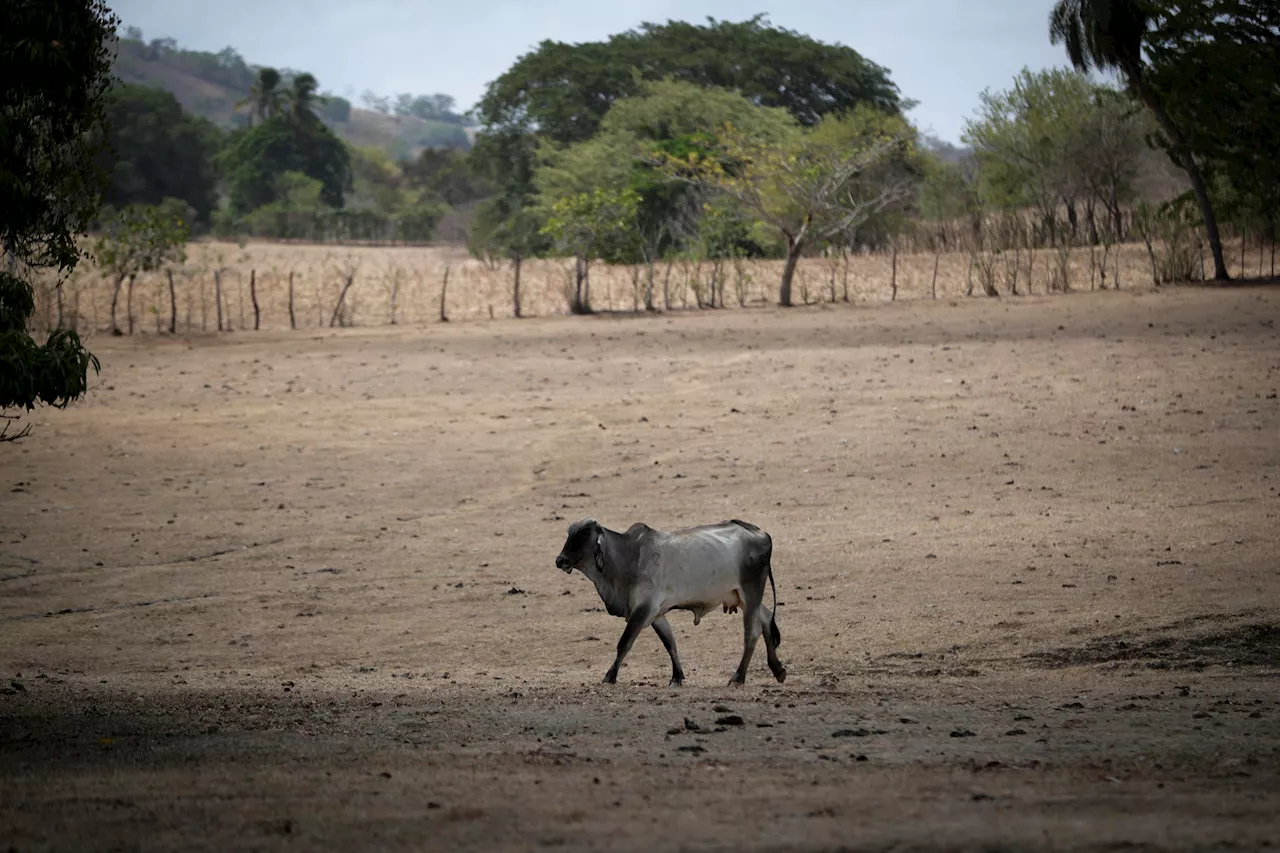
<point x="562" y="562"/>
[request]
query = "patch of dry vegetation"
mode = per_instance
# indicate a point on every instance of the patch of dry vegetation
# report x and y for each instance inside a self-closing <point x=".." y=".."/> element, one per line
<point x="403" y="284"/>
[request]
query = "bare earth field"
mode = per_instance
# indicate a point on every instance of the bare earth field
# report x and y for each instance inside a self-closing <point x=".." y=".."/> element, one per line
<point x="296" y="590"/>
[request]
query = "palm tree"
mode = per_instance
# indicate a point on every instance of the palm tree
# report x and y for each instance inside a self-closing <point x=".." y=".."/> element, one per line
<point x="1108" y="34"/>
<point x="265" y="98"/>
<point x="303" y="98"/>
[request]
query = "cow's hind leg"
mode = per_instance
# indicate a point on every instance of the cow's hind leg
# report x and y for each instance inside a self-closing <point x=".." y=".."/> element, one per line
<point x="663" y="627"/>
<point x="750" y="636"/>
<point x="770" y="632"/>
<point x="752" y="603"/>
<point x="639" y="619"/>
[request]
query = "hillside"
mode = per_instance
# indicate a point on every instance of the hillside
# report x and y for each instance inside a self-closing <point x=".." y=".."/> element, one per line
<point x="211" y="84"/>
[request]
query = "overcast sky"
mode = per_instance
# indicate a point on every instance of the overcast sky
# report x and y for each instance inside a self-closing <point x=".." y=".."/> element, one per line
<point x="941" y="53"/>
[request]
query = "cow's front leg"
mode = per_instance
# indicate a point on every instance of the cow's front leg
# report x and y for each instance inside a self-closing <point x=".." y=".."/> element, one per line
<point x="639" y="619"/>
<point x="663" y="627"/>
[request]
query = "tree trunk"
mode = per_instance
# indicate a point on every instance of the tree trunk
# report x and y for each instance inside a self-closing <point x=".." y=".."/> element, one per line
<point x="1244" y="244"/>
<point x="1151" y="255"/>
<point x="1184" y="160"/>
<point x="128" y="301"/>
<point x="1273" y="249"/>
<point x="934" y="286"/>
<point x="844" y="274"/>
<point x="893" y="275"/>
<point x="253" y="294"/>
<point x="342" y="296"/>
<point x="666" y="286"/>
<point x="794" y="248"/>
<point x="293" y="321"/>
<point x="648" y="287"/>
<point x="444" y="289"/>
<point x="217" y="295"/>
<point x="516" y="263"/>
<point x="173" y="305"/>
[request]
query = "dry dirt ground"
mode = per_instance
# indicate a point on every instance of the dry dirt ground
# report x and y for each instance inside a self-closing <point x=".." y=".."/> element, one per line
<point x="297" y="591"/>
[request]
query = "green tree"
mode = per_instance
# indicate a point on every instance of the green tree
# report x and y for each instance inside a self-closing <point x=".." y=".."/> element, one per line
<point x="1110" y="34"/>
<point x="814" y="184"/>
<point x="665" y="119"/>
<point x="446" y="174"/>
<point x="1218" y="66"/>
<point x="564" y="91"/>
<point x="156" y="150"/>
<point x="508" y="226"/>
<point x="303" y="98"/>
<point x="1020" y="137"/>
<point x="139" y="239"/>
<point x="591" y="225"/>
<point x="266" y="99"/>
<point x="254" y="159"/>
<point x="296" y="212"/>
<point x="1053" y="139"/>
<point x="55" y="65"/>
<point x="335" y="109"/>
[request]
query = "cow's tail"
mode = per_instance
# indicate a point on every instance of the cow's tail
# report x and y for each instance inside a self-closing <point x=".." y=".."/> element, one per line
<point x="774" y="634"/>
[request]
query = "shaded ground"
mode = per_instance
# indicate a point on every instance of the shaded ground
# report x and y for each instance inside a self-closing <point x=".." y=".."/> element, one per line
<point x="270" y="591"/>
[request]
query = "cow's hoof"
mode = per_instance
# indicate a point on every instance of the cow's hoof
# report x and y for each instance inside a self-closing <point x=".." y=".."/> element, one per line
<point x="610" y="677"/>
<point x="737" y="682"/>
<point x="781" y="675"/>
<point x="676" y="682"/>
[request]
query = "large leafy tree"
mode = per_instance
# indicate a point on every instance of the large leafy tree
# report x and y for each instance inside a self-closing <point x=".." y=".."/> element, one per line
<point x="55" y="65"/>
<point x="591" y="225"/>
<point x="813" y="184"/>
<point x="1218" y="65"/>
<point x="158" y="150"/>
<point x="564" y="91"/>
<point x="255" y="159"/>
<point x="1055" y="139"/>
<point x="1110" y="35"/>
<point x="665" y="119"/>
<point x="446" y="174"/>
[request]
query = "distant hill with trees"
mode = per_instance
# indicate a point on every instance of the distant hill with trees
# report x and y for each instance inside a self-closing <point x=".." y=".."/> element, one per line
<point x="216" y="86"/>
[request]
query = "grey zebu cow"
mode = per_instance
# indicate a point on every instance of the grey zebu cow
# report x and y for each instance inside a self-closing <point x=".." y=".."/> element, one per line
<point x="643" y="573"/>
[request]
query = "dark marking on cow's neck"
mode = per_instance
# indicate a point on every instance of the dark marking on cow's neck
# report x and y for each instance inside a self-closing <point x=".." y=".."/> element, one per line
<point x="614" y="568"/>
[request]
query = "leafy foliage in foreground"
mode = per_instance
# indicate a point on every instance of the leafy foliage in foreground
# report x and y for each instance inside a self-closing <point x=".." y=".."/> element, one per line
<point x="55" y="68"/>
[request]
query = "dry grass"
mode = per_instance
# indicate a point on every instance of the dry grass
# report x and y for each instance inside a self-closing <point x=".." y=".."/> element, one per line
<point x="296" y="591"/>
<point x="478" y="291"/>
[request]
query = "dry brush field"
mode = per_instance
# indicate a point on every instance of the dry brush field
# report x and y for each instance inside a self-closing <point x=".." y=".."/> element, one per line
<point x="476" y="290"/>
<point x="296" y="590"/>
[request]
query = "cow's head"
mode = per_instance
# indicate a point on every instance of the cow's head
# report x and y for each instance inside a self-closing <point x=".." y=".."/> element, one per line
<point x="580" y="545"/>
